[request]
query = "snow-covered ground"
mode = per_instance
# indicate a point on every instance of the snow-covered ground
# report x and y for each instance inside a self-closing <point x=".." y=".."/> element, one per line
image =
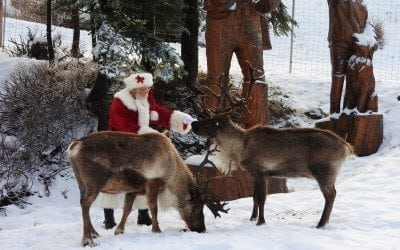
<point x="365" y="214"/>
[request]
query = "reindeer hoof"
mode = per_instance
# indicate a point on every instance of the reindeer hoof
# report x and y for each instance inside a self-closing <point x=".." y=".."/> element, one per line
<point x="157" y="230"/>
<point x="95" y="234"/>
<point x="88" y="242"/>
<point x="119" y="231"/>
<point x="260" y="222"/>
<point x="253" y="218"/>
<point x="109" y="225"/>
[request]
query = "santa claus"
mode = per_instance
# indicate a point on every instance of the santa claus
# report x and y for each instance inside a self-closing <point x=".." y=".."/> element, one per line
<point x="133" y="110"/>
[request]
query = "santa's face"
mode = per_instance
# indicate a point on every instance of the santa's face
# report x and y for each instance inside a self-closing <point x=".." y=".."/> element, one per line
<point x="140" y="93"/>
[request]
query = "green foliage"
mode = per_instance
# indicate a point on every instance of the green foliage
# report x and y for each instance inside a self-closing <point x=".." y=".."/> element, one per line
<point x="151" y="19"/>
<point x="281" y="21"/>
<point x="130" y="36"/>
<point x="115" y="53"/>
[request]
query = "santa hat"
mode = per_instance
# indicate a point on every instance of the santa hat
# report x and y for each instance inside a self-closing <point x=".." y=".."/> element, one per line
<point x="139" y="80"/>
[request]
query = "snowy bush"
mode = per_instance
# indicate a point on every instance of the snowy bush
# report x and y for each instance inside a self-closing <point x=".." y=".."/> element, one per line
<point x="41" y="110"/>
<point x="34" y="46"/>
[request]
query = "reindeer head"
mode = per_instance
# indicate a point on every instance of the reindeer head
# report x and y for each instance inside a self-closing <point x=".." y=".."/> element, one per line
<point x="227" y="106"/>
<point x="191" y="210"/>
<point x="212" y="126"/>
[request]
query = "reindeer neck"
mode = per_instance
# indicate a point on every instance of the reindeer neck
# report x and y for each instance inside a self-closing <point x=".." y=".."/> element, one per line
<point x="232" y="136"/>
<point x="181" y="178"/>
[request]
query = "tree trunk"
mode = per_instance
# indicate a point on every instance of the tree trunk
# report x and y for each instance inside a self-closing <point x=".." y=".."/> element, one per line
<point x="93" y="33"/>
<point x="77" y="32"/>
<point x="97" y="101"/>
<point x="189" y="41"/>
<point x="363" y="131"/>
<point x="48" y="33"/>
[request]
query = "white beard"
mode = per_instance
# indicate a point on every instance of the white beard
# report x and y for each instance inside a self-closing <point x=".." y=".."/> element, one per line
<point x="143" y="109"/>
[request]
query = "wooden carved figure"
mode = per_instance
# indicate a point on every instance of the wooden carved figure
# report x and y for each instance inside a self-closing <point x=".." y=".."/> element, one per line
<point x="346" y="17"/>
<point x="360" y="86"/>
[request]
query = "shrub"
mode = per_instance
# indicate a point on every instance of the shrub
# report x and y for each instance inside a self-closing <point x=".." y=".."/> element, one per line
<point x="34" y="46"/>
<point x="41" y="111"/>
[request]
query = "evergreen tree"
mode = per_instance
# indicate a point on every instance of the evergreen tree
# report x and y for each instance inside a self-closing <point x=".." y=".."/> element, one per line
<point x="189" y="41"/>
<point x="281" y="21"/>
<point x="70" y="10"/>
<point x="130" y="36"/>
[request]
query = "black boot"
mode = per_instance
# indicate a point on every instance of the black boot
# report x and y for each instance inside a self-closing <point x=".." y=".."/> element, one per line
<point x="144" y="217"/>
<point x="109" y="221"/>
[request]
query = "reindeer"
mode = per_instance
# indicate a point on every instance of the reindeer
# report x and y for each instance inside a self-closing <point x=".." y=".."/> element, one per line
<point x="118" y="162"/>
<point x="268" y="152"/>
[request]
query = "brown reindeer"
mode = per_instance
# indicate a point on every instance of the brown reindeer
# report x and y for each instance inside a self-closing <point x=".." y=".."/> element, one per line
<point x="268" y="152"/>
<point x="117" y="162"/>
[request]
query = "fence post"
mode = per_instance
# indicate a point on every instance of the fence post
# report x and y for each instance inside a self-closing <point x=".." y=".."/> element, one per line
<point x="1" y="24"/>
<point x="291" y="39"/>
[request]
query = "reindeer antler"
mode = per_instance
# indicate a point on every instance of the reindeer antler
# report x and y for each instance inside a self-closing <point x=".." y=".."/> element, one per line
<point x="225" y="103"/>
<point x="242" y="102"/>
<point x="212" y="201"/>
<point x="219" y="97"/>
<point x="206" y="160"/>
<point x="209" y="198"/>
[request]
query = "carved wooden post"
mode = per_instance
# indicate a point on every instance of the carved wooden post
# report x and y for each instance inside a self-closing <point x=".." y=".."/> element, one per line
<point x="258" y="108"/>
<point x="351" y="58"/>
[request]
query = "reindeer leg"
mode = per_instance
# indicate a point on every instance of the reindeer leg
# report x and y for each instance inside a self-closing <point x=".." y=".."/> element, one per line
<point x="261" y="185"/>
<point x="152" y="192"/>
<point x="326" y="183"/>
<point x="329" y="193"/>
<point x="254" y="214"/>
<point x="128" y="203"/>
<point x="88" y="231"/>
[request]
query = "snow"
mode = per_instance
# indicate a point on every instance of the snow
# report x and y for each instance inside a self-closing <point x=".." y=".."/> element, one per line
<point x="367" y="38"/>
<point x="365" y="214"/>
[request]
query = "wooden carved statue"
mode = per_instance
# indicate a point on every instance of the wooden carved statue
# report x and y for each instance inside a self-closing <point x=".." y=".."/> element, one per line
<point x="235" y="27"/>
<point x="239" y="27"/>
<point x="352" y="43"/>
<point x="360" y="83"/>
<point x="346" y="17"/>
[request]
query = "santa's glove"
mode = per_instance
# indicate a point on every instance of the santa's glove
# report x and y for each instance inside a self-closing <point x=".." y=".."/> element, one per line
<point x="181" y="122"/>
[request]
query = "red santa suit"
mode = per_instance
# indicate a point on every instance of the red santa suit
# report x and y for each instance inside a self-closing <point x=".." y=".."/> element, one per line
<point x="129" y="114"/>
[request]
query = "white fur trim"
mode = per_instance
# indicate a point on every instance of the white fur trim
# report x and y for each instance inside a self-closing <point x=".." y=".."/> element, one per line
<point x="126" y="98"/>
<point x="143" y="108"/>
<point x="105" y="200"/>
<point x="145" y="130"/>
<point x="165" y="200"/>
<point x="138" y="80"/>
<point x="141" y="105"/>
<point x="140" y="202"/>
<point x="154" y="115"/>
<point x="176" y="122"/>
